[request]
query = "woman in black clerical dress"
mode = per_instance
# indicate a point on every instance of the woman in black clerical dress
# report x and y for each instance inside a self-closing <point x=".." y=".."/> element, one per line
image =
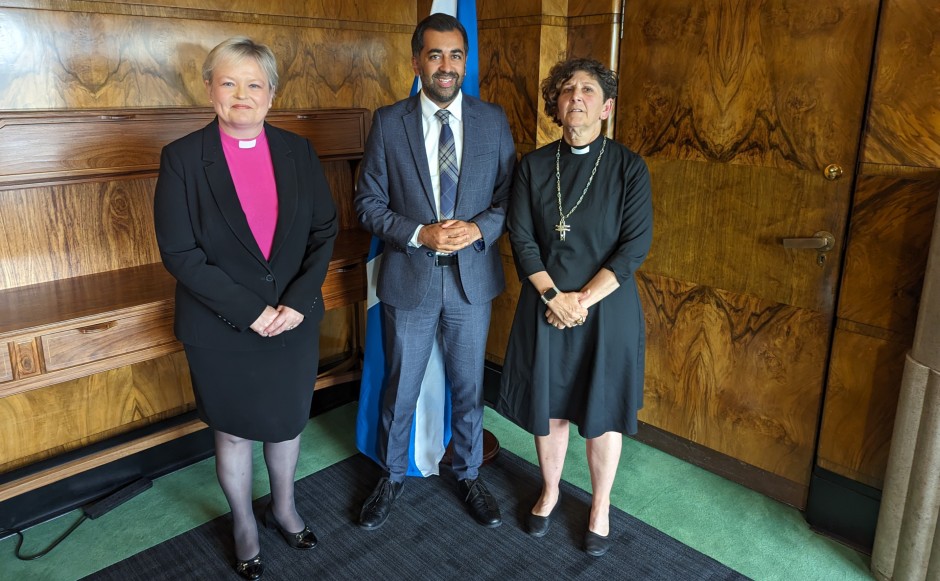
<point x="580" y="224"/>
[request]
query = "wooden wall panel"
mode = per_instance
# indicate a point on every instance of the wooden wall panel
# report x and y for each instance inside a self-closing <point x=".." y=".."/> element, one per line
<point x="706" y="79"/>
<point x="508" y="54"/>
<point x="718" y="371"/>
<point x="861" y="398"/>
<point x="738" y="107"/>
<point x="73" y="230"/>
<point x="326" y="13"/>
<point x="522" y="11"/>
<point x="43" y="423"/>
<point x="554" y="39"/>
<point x="904" y="121"/>
<point x="885" y="258"/>
<point x="81" y="60"/>
<point x="337" y="333"/>
<point x="695" y="239"/>
<point x="594" y="30"/>
<point x="504" y="310"/>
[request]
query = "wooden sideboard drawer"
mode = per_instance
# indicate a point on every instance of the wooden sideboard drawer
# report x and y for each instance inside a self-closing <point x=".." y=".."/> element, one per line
<point x="6" y="369"/>
<point x="344" y="285"/>
<point x="107" y="339"/>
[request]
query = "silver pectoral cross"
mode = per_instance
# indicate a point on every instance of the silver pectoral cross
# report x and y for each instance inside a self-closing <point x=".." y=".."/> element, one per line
<point x="562" y="229"/>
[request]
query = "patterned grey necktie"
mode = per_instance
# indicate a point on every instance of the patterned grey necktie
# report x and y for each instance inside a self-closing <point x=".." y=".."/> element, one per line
<point x="447" y="166"/>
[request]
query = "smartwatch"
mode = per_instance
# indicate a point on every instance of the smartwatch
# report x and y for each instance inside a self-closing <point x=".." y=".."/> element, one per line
<point x="549" y="294"/>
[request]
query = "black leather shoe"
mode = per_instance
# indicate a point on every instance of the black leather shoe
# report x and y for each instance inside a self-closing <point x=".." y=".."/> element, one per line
<point x="536" y="525"/>
<point x="596" y="545"/>
<point x="376" y="508"/>
<point x="250" y="569"/>
<point x="303" y="540"/>
<point x="481" y="503"/>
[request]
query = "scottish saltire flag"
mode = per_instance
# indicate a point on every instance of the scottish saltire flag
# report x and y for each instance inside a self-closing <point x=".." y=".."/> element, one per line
<point x="430" y="430"/>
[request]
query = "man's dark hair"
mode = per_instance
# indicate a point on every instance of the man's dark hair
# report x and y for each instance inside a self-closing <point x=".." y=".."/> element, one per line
<point x="441" y="23"/>
<point x="564" y="70"/>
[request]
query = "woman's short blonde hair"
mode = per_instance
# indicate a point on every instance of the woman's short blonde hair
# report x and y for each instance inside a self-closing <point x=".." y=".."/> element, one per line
<point x="238" y="48"/>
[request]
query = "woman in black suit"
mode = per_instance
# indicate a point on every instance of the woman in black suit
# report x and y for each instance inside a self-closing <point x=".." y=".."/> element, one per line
<point x="245" y="222"/>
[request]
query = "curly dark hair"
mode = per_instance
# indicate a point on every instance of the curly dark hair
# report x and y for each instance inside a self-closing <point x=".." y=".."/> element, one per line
<point x="564" y="70"/>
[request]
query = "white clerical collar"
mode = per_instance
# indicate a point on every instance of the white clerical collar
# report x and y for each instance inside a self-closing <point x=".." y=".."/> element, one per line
<point x="429" y="108"/>
<point x="247" y="143"/>
<point x="581" y="150"/>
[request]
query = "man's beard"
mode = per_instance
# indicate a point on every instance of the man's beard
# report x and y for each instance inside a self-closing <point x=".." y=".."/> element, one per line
<point x="436" y="94"/>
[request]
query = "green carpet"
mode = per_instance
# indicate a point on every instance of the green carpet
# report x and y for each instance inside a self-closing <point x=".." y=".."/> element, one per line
<point x="746" y="531"/>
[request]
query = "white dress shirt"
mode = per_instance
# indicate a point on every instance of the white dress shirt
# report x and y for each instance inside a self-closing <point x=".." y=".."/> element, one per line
<point x="432" y="136"/>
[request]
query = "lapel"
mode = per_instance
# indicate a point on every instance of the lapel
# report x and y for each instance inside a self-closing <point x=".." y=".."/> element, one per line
<point x="285" y="178"/>
<point x="223" y="189"/>
<point x="415" y="134"/>
<point x="473" y="139"/>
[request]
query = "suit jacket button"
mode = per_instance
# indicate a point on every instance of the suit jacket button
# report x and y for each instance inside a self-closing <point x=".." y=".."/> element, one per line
<point x="269" y="278"/>
<point x="429" y="253"/>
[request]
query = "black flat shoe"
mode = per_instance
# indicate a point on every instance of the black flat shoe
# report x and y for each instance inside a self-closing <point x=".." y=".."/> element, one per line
<point x="303" y="540"/>
<point x="480" y="502"/>
<point x="376" y="508"/>
<point x="536" y="525"/>
<point x="250" y="569"/>
<point x="596" y="545"/>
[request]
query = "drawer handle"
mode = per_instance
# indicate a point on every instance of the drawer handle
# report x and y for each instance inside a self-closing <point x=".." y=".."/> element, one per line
<point x="116" y="117"/>
<point x="100" y="327"/>
<point x="347" y="269"/>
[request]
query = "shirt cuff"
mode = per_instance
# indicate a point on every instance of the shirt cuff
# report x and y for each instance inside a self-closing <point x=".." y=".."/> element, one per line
<point x="414" y="237"/>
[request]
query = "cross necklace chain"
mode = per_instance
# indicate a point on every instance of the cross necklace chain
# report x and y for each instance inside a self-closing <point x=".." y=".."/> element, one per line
<point x="562" y="227"/>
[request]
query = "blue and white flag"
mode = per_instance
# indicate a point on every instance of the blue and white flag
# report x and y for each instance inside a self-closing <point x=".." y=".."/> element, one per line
<point x="430" y="429"/>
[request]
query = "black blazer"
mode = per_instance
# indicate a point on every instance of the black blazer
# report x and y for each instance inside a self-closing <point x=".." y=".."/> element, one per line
<point x="223" y="281"/>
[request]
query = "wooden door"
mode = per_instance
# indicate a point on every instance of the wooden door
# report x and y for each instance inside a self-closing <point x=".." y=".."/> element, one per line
<point x="746" y="112"/>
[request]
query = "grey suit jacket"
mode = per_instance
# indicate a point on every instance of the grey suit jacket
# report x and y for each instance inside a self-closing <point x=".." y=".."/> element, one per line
<point x="394" y="196"/>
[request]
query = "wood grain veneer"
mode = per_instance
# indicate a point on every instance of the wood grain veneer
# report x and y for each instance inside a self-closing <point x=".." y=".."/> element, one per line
<point x="886" y="253"/>
<point x="904" y="120"/>
<point x="89" y="55"/>
<point x="86" y="314"/>
<point x="51" y="147"/>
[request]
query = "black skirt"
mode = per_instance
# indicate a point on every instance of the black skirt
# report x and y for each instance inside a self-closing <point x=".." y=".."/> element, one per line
<point x="260" y="395"/>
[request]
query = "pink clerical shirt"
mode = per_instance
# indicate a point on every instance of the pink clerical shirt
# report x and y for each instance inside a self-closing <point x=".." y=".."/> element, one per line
<point x="249" y="162"/>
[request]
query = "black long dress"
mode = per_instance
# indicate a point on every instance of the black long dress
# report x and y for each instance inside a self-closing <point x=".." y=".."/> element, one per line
<point x="590" y="374"/>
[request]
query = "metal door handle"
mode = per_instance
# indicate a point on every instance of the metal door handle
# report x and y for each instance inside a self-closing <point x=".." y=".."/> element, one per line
<point x="820" y="242"/>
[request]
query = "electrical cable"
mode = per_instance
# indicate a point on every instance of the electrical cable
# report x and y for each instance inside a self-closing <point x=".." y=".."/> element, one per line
<point x="90" y="511"/>
<point x="20" y="538"/>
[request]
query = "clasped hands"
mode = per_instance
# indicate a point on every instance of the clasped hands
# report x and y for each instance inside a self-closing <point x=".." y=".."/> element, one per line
<point x="274" y="321"/>
<point x="566" y="310"/>
<point x="449" y="236"/>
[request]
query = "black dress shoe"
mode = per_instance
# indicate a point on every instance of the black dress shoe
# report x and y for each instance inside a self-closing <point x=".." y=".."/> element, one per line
<point x="536" y="525"/>
<point x="596" y="545"/>
<point x="250" y="569"/>
<point x="481" y="503"/>
<point x="303" y="540"/>
<point x="376" y="508"/>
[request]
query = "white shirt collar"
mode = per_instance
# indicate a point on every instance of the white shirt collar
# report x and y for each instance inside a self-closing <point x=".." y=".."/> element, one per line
<point x="429" y="108"/>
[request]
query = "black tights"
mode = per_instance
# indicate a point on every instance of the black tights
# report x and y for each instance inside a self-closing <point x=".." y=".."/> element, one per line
<point x="233" y="465"/>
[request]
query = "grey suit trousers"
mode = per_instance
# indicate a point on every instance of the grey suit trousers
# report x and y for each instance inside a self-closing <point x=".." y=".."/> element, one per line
<point x="409" y="337"/>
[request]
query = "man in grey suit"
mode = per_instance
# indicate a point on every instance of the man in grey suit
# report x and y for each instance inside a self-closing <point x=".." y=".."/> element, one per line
<point x="434" y="186"/>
